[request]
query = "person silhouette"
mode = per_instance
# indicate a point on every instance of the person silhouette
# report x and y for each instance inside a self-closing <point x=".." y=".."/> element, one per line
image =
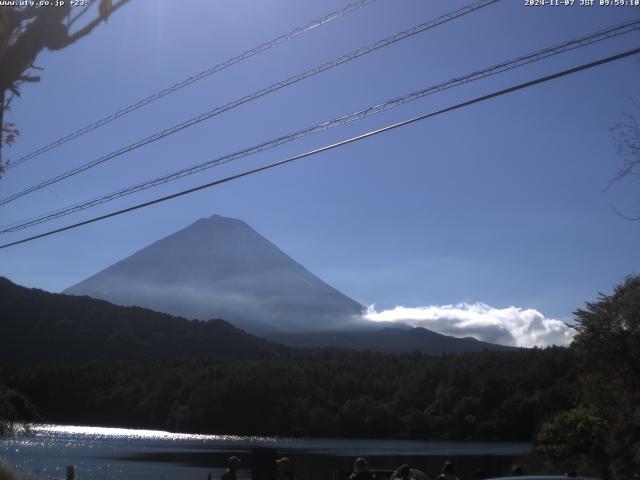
<point x="232" y="467"/>
<point x="361" y="470"/>
<point x="404" y="472"/>
<point x="448" y="472"/>
<point x="284" y="472"/>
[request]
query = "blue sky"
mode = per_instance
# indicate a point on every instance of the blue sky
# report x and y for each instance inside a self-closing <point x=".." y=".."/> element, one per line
<point x="501" y="203"/>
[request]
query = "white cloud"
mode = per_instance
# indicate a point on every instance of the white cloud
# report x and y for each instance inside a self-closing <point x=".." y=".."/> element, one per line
<point x="506" y="326"/>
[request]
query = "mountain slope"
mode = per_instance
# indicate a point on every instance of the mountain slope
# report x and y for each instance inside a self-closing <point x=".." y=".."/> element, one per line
<point x="221" y="268"/>
<point x="389" y="340"/>
<point x="40" y="326"/>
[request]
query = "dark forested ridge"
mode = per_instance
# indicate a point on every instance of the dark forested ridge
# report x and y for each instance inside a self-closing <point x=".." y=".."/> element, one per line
<point x="488" y="395"/>
<point x="40" y="326"/>
<point x="389" y="339"/>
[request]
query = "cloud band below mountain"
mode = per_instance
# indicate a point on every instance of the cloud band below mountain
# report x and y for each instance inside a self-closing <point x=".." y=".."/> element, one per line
<point x="506" y="326"/>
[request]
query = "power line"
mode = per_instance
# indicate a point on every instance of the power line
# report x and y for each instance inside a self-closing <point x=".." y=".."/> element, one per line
<point x="352" y="7"/>
<point x="260" y="93"/>
<point x="372" y="133"/>
<point x="526" y="59"/>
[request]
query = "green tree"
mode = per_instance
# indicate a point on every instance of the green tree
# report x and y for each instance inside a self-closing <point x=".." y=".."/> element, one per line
<point x="607" y="337"/>
<point x="575" y="438"/>
<point x="607" y="343"/>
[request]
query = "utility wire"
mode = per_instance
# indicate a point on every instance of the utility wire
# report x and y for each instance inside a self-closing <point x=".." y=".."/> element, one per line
<point x="372" y="133"/>
<point x="260" y="93"/>
<point x="526" y="59"/>
<point x="352" y="7"/>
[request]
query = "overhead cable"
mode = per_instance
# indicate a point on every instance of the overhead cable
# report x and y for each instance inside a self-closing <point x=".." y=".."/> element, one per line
<point x="255" y="95"/>
<point x="352" y="7"/>
<point x="372" y="133"/>
<point x="520" y="61"/>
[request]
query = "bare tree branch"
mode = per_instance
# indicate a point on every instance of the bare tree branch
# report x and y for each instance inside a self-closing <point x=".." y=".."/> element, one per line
<point x="87" y="29"/>
<point x="24" y="33"/>
<point x="82" y="12"/>
<point x="626" y="137"/>
<point x="626" y="217"/>
<point x="627" y="141"/>
<point x="29" y="78"/>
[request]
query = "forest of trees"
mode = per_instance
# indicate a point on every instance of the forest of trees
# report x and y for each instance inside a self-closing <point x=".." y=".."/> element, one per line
<point x="490" y="395"/>
<point x="580" y="405"/>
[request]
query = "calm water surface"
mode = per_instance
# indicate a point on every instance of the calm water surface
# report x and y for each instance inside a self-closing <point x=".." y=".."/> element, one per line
<point x="119" y="454"/>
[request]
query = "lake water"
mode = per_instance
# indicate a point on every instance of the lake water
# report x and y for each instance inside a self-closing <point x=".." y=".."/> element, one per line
<point x="119" y="454"/>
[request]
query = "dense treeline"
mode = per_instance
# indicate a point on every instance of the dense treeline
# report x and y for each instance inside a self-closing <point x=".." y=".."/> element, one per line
<point x="489" y="395"/>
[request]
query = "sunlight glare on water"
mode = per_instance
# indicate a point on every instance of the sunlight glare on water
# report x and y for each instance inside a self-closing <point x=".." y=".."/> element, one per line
<point x="116" y="453"/>
<point x="132" y="433"/>
<point x="106" y="453"/>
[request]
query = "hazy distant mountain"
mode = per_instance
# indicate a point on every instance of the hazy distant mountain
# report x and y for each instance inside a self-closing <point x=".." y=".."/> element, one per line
<point x="221" y="268"/>
<point x="38" y="326"/>
<point x="390" y="340"/>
